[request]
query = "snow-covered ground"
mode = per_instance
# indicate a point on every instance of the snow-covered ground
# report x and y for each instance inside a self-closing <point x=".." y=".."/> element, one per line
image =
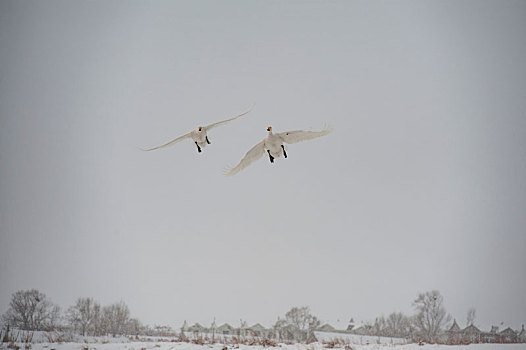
<point x="340" y="341"/>
<point x="314" y="346"/>
<point x="346" y="338"/>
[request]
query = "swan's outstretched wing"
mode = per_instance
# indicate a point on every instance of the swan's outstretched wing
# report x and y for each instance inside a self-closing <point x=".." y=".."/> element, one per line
<point x="303" y="135"/>
<point x="174" y="141"/>
<point x="211" y="126"/>
<point x="252" y="155"/>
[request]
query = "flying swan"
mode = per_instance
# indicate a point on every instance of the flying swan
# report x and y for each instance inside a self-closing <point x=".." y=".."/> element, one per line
<point x="199" y="135"/>
<point x="273" y="146"/>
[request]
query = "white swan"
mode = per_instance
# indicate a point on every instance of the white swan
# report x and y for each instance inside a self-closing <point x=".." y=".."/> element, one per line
<point x="273" y="146"/>
<point x="199" y="135"/>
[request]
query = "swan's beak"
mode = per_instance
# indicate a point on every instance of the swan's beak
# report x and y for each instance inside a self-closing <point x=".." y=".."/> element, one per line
<point x="199" y="128"/>
<point x="269" y="128"/>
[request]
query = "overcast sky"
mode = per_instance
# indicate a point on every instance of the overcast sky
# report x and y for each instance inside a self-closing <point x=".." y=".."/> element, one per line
<point x="421" y="185"/>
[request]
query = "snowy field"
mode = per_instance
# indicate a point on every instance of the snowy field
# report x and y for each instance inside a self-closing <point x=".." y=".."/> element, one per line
<point x="41" y="341"/>
<point x="314" y="346"/>
<point x="345" y="338"/>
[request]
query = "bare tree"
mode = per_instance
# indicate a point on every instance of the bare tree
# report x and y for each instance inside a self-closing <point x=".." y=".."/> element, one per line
<point x="281" y="329"/>
<point x="115" y="318"/>
<point x="470" y="318"/>
<point x="84" y="315"/>
<point x="134" y="327"/>
<point x="31" y="310"/>
<point x="298" y="323"/>
<point x="431" y="315"/>
<point x="397" y="325"/>
<point x="366" y="328"/>
<point x="379" y="326"/>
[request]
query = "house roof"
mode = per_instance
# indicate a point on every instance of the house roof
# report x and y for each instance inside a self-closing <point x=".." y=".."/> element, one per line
<point x="258" y="327"/>
<point x="471" y="329"/>
<point x="225" y="326"/>
<point x="196" y="326"/>
<point x="508" y="331"/>
<point x="326" y="327"/>
<point x="454" y="327"/>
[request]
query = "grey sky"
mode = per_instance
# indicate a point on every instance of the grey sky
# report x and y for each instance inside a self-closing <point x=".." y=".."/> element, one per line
<point x="421" y="186"/>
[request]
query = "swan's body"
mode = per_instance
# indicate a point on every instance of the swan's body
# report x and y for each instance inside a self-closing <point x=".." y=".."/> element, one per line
<point x="274" y="146"/>
<point x="199" y="135"/>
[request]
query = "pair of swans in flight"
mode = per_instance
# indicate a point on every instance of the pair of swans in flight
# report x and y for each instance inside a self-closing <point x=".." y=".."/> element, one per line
<point x="272" y="144"/>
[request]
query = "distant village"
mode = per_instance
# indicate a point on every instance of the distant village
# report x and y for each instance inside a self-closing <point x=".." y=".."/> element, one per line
<point x="453" y="336"/>
<point x="471" y="334"/>
<point x="31" y="314"/>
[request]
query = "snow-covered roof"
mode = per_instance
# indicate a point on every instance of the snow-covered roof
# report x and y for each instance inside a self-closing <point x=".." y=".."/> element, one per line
<point x="508" y="331"/>
<point x="258" y="327"/>
<point x="327" y="328"/>
<point x="471" y="329"/>
<point x="197" y="327"/>
<point x="454" y="327"/>
<point x="225" y="326"/>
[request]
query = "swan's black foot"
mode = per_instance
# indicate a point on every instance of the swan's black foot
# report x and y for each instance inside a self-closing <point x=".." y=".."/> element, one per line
<point x="270" y="155"/>
<point x="207" y="141"/>
<point x="284" y="153"/>
<point x="198" y="148"/>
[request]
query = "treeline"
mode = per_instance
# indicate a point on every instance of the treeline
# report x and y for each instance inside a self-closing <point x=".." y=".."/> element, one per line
<point x="31" y="310"/>
<point x="428" y="323"/>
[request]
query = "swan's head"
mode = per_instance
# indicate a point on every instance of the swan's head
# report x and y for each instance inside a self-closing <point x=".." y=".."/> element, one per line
<point x="200" y="128"/>
<point x="269" y="128"/>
